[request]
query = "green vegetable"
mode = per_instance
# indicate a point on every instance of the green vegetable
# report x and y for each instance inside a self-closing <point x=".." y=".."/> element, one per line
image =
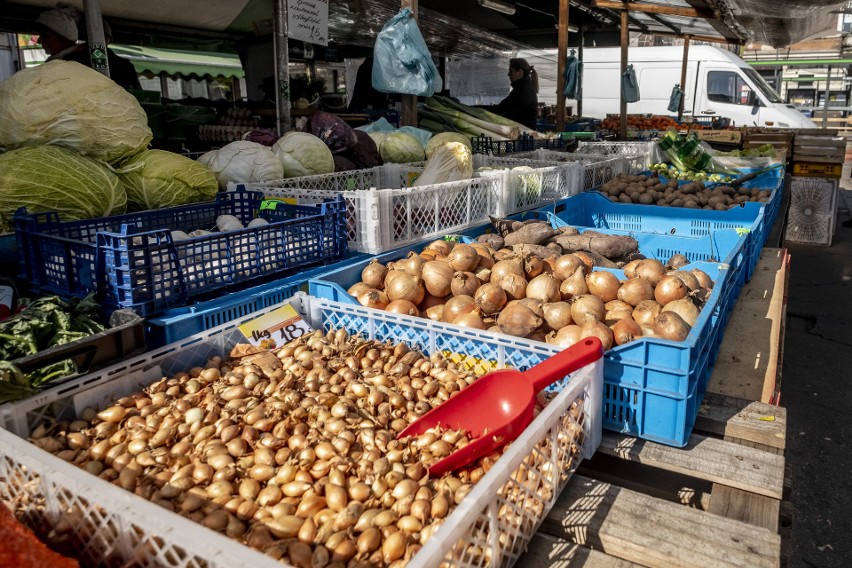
<point x="439" y="139"/>
<point x="303" y="154"/>
<point x="243" y="162"/>
<point x="67" y="104"/>
<point x="470" y="123"/>
<point x="53" y="178"/>
<point x="165" y="179"/>
<point x="527" y="185"/>
<point x="401" y="147"/>
<point x="451" y="161"/>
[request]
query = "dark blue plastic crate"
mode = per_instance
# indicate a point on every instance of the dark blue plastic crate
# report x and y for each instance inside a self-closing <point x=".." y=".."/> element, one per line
<point x="131" y="261"/>
<point x="526" y="143"/>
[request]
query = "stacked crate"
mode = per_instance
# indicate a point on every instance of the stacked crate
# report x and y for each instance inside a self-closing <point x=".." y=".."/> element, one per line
<point x="818" y="153"/>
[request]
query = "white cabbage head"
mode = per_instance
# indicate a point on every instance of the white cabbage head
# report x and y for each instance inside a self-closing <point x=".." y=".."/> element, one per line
<point x="67" y="104"/>
<point x="401" y="147"/>
<point x="243" y="162"/>
<point x="155" y="179"/>
<point x="303" y="154"/>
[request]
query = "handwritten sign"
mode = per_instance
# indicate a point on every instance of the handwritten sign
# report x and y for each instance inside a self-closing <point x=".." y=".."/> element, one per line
<point x="275" y="328"/>
<point x="307" y="20"/>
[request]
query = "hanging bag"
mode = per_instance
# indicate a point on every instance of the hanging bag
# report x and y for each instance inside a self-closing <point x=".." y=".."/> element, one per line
<point x="402" y="61"/>
<point x="675" y="98"/>
<point x="573" y="76"/>
<point x="629" y="85"/>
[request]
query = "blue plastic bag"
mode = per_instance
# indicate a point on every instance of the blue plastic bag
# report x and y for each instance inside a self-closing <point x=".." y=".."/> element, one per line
<point x="675" y="98"/>
<point x="629" y="85"/>
<point x="402" y="61"/>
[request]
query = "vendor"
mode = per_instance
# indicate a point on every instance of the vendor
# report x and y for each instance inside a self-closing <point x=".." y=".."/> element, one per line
<point x="522" y="103"/>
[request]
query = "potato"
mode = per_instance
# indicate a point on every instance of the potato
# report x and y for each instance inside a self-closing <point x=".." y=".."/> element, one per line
<point x="677" y="202"/>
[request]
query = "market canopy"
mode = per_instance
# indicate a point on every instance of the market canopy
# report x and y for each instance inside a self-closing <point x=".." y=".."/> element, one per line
<point x="187" y="64"/>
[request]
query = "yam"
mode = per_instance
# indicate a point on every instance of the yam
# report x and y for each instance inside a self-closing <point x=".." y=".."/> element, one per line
<point x="502" y="226"/>
<point x="531" y="234"/>
<point x="609" y="246"/>
<point x="568" y="231"/>
<point x="538" y="250"/>
<point x="492" y="240"/>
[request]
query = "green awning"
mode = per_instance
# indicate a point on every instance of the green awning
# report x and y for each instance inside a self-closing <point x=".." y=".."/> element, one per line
<point x="175" y="63"/>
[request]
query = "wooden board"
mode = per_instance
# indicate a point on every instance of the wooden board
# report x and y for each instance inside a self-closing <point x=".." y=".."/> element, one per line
<point x="748" y="362"/>
<point x="802" y="140"/>
<point x="650" y="532"/>
<point x="728" y="136"/>
<point x="547" y="550"/>
<point x="743" y="419"/>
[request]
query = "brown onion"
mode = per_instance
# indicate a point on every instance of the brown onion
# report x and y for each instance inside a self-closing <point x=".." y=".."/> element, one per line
<point x="670" y="325"/>
<point x="504" y="267"/>
<point x="402" y="307"/>
<point x="490" y="298"/>
<point x="464" y="284"/>
<point x="514" y="285"/>
<point x="429" y="300"/>
<point x="533" y="265"/>
<point x="413" y="264"/>
<point x="688" y="278"/>
<point x="486" y="258"/>
<point x="703" y="278"/>
<point x="574" y="285"/>
<point x="636" y="290"/>
<point x="374" y="299"/>
<point x="358" y="288"/>
<point x="685" y="309"/>
<point x="435" y="313"/>
<point x="557" y="314"/>
<point x="588" y="261"/>
<point x="463" y="257"/>
<point x="534" y="304"/>
<point x="597" y="329"/>
<point x="630" y="268"/>
<point x="538" y="335"/>
<point x="565" y="265"/>
<point x="438" y="277"/>
<point x="566" y="337"/>
<point x="618" y="305"/>
<point x="603" y="284"/>
<point x="676" y="261"/>
<point x="503" y="254"/>
<point x="544" y="287"/>
<point x="650" y="269"/>
<point x="646" y="312"/>
<point x="406" y="287"/>
<point x="441" y="246"/>
<point x="458" y="305"/>
<point x="392" y="274"/>
<point x="472" y="319"/>
<point x="587" y="307"/>
<point x="431" y="254"/>
<point x="625" y="330"/>
<point x="613" y="316"/>
<point x="374" y="274"/>
<point x="483" y="274"/>
<point x="518" y="320"/>
<point x="669" y="289"/>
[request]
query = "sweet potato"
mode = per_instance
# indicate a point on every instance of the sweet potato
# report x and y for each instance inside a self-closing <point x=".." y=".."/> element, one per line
<point x="608" y="246"/>
<point x="532" y="234"/>
<point x="538" y="250"/>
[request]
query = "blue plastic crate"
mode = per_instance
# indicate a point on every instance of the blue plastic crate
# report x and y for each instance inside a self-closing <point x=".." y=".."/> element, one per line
<point x="652" y="387"/>
<point x="131" y="261"/>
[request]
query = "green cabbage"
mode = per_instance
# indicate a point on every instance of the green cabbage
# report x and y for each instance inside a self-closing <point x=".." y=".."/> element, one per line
<point x="303" y="154"/>
<point x="155" y="179"/>
<point x="378" y="137"/>
<point x="53" y="178"/>
<point x="452" y="161"/>
<point x="401" y="147"/>
<point x="243" y="162"/>
<point x="68" y="104"/>
<point x="442" y="138"/>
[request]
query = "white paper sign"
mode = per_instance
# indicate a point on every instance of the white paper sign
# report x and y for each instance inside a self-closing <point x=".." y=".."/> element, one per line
<point x="307" y="20"/>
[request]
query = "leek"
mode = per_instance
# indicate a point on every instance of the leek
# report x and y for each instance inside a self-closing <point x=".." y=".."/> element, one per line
<point x="511" y="132"/>
<point x="483" y="114"/>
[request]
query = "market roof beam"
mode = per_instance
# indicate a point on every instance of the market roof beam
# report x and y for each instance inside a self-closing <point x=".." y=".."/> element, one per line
<point x="656" y="9"/>
<point x="665" y="23"/>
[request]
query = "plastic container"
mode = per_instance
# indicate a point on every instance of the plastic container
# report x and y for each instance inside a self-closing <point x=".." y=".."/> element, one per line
<point x="131" y="261"/>
<point x="648" y="152"/>
<point x="526" y="143"/>
<point x="109" y="526"/>
<point x="597" y="170"/>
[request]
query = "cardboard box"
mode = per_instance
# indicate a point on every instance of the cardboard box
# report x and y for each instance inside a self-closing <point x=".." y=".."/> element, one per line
<point x="726" y="136"/>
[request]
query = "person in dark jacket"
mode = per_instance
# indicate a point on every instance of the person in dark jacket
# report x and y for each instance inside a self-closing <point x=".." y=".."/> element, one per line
<point x="522" y="103"/>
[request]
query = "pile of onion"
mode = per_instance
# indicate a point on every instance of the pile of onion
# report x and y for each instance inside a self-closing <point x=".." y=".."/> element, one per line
<point x="559" y="300"/>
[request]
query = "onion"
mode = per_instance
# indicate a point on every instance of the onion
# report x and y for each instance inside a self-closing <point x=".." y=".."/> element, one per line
<point x="650" y="269"/>
<point x="534" y="304"/>
<point x="670" y="325"/>
<point x="463" y="257"/>
<point x="630" y="268"/>
<point x="435" y="313"/>
<point x="646" y="312"/>
<point x="441" y="246"/>
<point x="636" y="290"/>
<point x="625" y="330"/>
<point x="504" y="267"/>
<point x="503" y="254"/>
<point x="618" y="305"/>
<point x="688" y="278"/>
<point x="669" y="289"/>
<point x="483" y="274"/>
<point x="456" y="306"/>
<point x="565" y="265"/>
<point x="518" y="320"/>
<point x="471" y="319"/>
<point x="533" y="265"/>
<point x="603" y="284"/>
<point x="486" y="258"/>
<point x="676" y="261"/>
<point x="464" y="284"/>
<point x="413" y="264"/>
<point x="431" y="254"/>
<point x="374" y="299"/>
<point x="557" y="314"/>
<point x="545" y="287"/>
<point x="613" y="316"/>
<point x="588" y="261"/>
<point x="392" y="274"/>
<point x="402" y="307"/>
<point x="566" y="337"/>
<point x="358" y="288"/>
<point x="514" y="285"/>
<point x="406" y="287"/>
<point x="438" y="277"/>
<point x="490" y="298"/>
<point x="429" y="300"/>
<point x="703" y="278"/>
<point x="374" y="274"/>
<point x="538" y="335"/>
<point x="597" y="329"/>
<point x="587" y="307"/>
<point x="574" y="285"/>
<point x="685" y="309"/>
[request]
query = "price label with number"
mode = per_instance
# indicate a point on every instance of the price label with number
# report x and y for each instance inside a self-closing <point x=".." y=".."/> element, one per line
<point x="275" y="328"/>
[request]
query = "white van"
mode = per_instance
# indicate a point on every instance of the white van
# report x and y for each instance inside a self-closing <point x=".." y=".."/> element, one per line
<point x="718" y="83"/>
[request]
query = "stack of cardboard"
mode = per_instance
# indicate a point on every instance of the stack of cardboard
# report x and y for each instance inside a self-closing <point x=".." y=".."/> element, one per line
<point x="818" y="153"/>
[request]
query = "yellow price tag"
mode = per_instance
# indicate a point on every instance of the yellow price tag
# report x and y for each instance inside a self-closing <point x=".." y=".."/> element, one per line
<point x="276" y="328"/>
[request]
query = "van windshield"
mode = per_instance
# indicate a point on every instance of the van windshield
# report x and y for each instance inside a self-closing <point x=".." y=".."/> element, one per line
<point x="762" y="85"/>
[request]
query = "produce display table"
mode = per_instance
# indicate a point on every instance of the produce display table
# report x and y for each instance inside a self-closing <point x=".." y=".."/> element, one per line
<point x="716" y="502"/>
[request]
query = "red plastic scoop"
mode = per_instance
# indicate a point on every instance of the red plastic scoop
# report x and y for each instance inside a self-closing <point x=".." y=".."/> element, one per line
<point x="496" y="408"/>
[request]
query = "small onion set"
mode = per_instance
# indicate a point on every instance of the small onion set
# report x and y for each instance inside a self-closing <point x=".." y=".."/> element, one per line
<point x="558" y="299"/>
<point x="293" y="452"/>
<point x="649" y="190"/>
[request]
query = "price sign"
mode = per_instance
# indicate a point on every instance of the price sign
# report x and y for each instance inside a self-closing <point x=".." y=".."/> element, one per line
<point x="307" y="20"/>
<point x="275" y="328"/>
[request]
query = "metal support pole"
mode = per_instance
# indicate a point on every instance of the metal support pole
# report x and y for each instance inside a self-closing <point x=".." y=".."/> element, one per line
<point x="625" y="39"/>
<point x="683" y="77"/>
<point x="95" y="36"/>
<point x="825" y="102"/>
<point x="409" y="102"/>
<point x="282" y="67"/>
<point x="561" y="61"/>
<point x="580" y="90"/>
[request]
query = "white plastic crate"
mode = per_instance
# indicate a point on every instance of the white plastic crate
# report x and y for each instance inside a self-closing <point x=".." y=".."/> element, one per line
<point x="647" y="152"/>
<point x="111" y="527"/>
<point x="595" y="170"/>
<point x="813" y="211"/>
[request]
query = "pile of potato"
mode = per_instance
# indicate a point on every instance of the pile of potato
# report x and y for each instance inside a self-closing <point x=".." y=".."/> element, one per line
<point x="649" y="190"/>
